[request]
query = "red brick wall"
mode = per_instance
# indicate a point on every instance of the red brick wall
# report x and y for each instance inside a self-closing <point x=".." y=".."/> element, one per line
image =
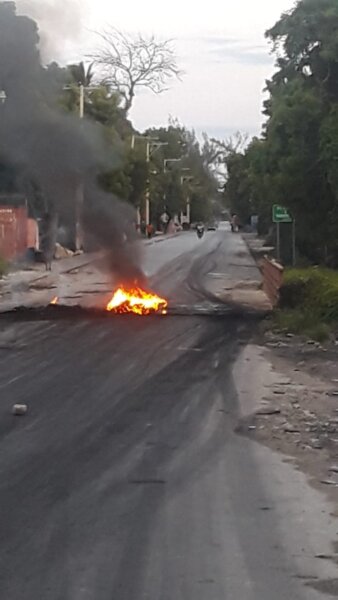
<point x="13" y="231"/>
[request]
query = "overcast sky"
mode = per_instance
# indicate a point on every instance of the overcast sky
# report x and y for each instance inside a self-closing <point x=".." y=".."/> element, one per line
<point x="220" y="45"/>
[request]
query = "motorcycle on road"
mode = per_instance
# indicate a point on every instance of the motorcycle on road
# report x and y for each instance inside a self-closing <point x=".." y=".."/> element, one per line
<point x="200" y="231"/>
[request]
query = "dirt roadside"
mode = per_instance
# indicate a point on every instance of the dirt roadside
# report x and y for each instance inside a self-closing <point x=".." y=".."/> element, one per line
<point x="290" y="403"/>
<point x="294" y="406"/>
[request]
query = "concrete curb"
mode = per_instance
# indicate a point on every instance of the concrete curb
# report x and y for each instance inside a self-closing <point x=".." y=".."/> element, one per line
<point x="256" y="254"/>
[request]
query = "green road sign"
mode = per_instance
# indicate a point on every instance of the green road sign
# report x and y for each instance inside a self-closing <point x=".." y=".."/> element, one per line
<point x="280" y="214"/>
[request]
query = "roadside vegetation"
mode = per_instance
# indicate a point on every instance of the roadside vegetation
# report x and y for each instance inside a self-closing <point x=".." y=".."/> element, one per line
<point x="293" y="162"/>
<point x="309" y="303"/>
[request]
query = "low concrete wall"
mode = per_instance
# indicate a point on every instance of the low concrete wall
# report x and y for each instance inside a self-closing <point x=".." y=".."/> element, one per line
<point x="272" y="279"/>
<point x="33" y="234"/>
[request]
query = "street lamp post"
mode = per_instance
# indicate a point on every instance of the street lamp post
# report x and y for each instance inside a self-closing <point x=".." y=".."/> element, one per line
<point x="80" y="192"/>
<point x="148" y="186"/>
<point x="166" y="162"/>
<point x="188" y="209"/>
<point x="152" y="146"/>
<point x="138" y="210"/>
<point x="82" y="100"/>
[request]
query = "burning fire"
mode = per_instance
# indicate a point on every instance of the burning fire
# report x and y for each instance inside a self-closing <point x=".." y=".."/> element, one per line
<point x="54" y="301"/>
<point x="136" y="301"/>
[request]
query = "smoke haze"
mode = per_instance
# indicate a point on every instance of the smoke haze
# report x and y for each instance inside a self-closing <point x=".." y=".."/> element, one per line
<point x="59" y="22"/>
<point x="56" y="151"/>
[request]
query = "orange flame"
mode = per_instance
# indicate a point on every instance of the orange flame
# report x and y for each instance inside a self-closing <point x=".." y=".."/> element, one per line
<point x="136" y="301"/>
<point x="54" y="301"/>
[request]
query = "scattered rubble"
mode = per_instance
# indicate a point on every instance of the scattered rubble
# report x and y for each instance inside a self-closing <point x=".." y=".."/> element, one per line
<point x="61" y="252"/>
<point x="298" y="415"/>
<point x="268" y="411"/>
<point x="288" y="428"/>
<point x="329" y="482"/>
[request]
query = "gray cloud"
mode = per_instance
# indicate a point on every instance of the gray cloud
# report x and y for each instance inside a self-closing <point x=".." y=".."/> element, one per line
<point x="210" y="40"/>
<point x="236" y="50"/>
<point x="220" y="41"/>
<point x="218" y="49"/>
<point x="224" y="133"/>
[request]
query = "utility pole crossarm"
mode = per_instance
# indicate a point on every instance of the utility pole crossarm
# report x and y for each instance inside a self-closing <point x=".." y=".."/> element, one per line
<point x="167" y="161"/>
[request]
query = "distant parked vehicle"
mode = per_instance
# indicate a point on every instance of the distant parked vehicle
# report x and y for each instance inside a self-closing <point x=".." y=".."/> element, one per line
<point x="225" y="226"/>
<point x="212" y="226"/>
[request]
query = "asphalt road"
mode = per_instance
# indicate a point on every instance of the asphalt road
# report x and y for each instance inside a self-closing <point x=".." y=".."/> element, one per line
<point x="126" y="481"/>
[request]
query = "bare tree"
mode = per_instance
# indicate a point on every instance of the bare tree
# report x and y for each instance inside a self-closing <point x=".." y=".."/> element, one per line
<point x="216" y="151"/>
<point x="129" y="62"/>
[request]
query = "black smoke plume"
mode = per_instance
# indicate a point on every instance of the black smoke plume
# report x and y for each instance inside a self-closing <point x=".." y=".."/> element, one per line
<point x="60" y="24"/>
<point x="58" y="152"/>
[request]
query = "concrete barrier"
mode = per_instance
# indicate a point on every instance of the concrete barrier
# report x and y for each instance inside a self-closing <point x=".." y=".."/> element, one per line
<point x="272" y="279"/>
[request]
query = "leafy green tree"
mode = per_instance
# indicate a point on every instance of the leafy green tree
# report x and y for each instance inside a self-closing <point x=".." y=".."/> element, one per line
<point x="306" y="40"/>
<point x="82" y="75"/>
<point x="182" y="172"/>
<point x="294" y="163"/>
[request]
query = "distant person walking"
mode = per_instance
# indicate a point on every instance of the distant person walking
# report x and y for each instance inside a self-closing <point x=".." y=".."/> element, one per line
<point x="234" y="223"/>
<point x="254" y="223"/>
<point x="150" y="231"/>
<point x="48" y="239"/>
<point x="165" y="219"/>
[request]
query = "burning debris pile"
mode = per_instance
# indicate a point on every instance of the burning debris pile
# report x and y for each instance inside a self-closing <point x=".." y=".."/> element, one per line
<point x="136" y="301"/>
<point x="131" y="301"/>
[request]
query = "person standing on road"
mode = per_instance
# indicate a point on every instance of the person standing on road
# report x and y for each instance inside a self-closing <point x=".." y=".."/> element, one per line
<point x="234" y="223"/>
<point x="48" y="239"/>
<point x="150" y="230"/>
<point x="165" y="221"/>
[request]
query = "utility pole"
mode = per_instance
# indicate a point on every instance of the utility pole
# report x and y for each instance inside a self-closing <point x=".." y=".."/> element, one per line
<point x="82" y="99"/>
<point x="294" y="248"/>
<point x="79" y="196"/>
<point x="148" y="186"/>
<point x="188" y="211"/>
<point x="188" y="206"/>
<point x="278" y="242"/>
<point x="152" y="146"/>
<point x="183" y="179"/>
<point x="138" y="209"/>
<point x="79" y="193"/>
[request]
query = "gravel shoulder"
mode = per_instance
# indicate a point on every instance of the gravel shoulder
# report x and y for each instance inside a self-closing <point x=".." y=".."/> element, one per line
<point x="294" y="406"/>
